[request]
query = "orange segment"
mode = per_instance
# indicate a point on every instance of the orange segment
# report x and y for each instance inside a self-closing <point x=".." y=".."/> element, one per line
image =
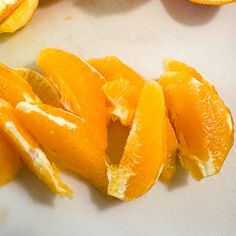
<point x="145" y="150"/>
<point x="9" y="162"/>
<point x="65" y="134"/>
<point x="174" y="65"/>
<point x="80" y="87"/>
<point x="7" y="7"/>
<point x="212" y="2"/>
<point x="123" y="88"/>
<point x="41" y="86"/>
<point x="14" y="88"/>
<point x="19" y="17"/>
<point x="172" y="146"/>
<point x="203" y="124"/>
<point x="29" y="150"/>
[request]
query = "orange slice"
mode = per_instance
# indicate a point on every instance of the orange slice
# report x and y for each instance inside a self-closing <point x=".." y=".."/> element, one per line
<point x="212" y="2"/>
<point x="14" y="88"/>
<point x="123" y="88"/>
<point x="80" y="87"/>
<point x="172" y="146"/>
<point x="9" y="162"/>
<point x="145" y="150"/>
<point x="19" y="17"/>
<point x="41" y="86"/>
<point x="7" y="7"/>
<point x="29" y="150"/>
<point x="203" y="124"/>
<point x="65" y="134"/>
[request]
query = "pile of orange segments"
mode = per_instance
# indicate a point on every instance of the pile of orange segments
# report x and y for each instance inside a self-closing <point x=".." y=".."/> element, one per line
<point x="79" y="115"/>
<point x="15" y="14"/>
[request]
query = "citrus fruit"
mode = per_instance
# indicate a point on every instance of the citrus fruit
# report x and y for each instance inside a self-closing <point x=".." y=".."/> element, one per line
<point x="172" y="146"/>
<point x="202" y="122"/>
<point x="41" y="86"/>
<point x="29" y="150"/>
<point x="145" y="150"/>
<point x="19" y="17"/>
<point x="9" y="162"/>
<point x="65" y="135"/>
<point x="212" y="2"/>
<point x="7" y="7"/>
<point x="80" y="87"/>
<point x="123" y="88"/>
<point x="13" y="88"/>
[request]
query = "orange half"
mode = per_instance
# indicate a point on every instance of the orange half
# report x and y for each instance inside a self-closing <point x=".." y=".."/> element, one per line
<point x="213" y="2"/>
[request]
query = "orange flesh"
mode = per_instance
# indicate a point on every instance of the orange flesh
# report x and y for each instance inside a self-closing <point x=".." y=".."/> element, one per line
<point x="145" y="150"/>
<point x="123" y="88"/>
<point x="172" y="146"/>
<point x="13" y="88"/>
<point x="8" y="9"/>
<point x="65" y="135"/>
<point x="9" y="162"/>
<point x="203" y="124"/>
<point x="29" y="150"/>
<point x="80" y="87"/>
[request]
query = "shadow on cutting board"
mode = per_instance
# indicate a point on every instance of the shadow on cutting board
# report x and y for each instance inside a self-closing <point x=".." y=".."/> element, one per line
<point x="188" y="13"/>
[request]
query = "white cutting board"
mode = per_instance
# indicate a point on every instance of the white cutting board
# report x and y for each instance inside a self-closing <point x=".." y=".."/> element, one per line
<point x="142" y="33"/>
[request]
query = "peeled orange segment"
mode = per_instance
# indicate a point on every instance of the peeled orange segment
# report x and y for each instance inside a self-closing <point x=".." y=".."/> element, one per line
<point x="80" y="87"/>
<point x="29" y="150"/>
<point x="65" y="134"/>
<point x="7" y="7"/>
<point x="20" y="17"/>
<point x="172" y="146"/>
<point x="123" y="88"/>
<point x="212" y="2"/>
<point x="174" y="65"/>
<point x="145" y="150"/>
<point x="202" y="122"/>
<point x="9" y="162"/>
<point x="13" y="88"/>
<point x="41" y="86"/>
<point x="123" y="95"/>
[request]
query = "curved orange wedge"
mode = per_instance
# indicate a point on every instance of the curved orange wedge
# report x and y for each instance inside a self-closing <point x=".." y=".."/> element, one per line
<point x="80" y="87"/>
<point x="29" y="150"/>
<point x="19" y="17"/>
<point x="145" y="150"/>
<point x="203" y="124"/>
<point x="65" y="134"/>
<point x="123" y="88"/>
<point x="7" y="7"/>
<point x="9" y="162"/>
<point x="13" y="88"/>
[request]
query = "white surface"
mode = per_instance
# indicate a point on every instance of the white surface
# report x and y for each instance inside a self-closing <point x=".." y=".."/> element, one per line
<point x="142" y="33"/>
